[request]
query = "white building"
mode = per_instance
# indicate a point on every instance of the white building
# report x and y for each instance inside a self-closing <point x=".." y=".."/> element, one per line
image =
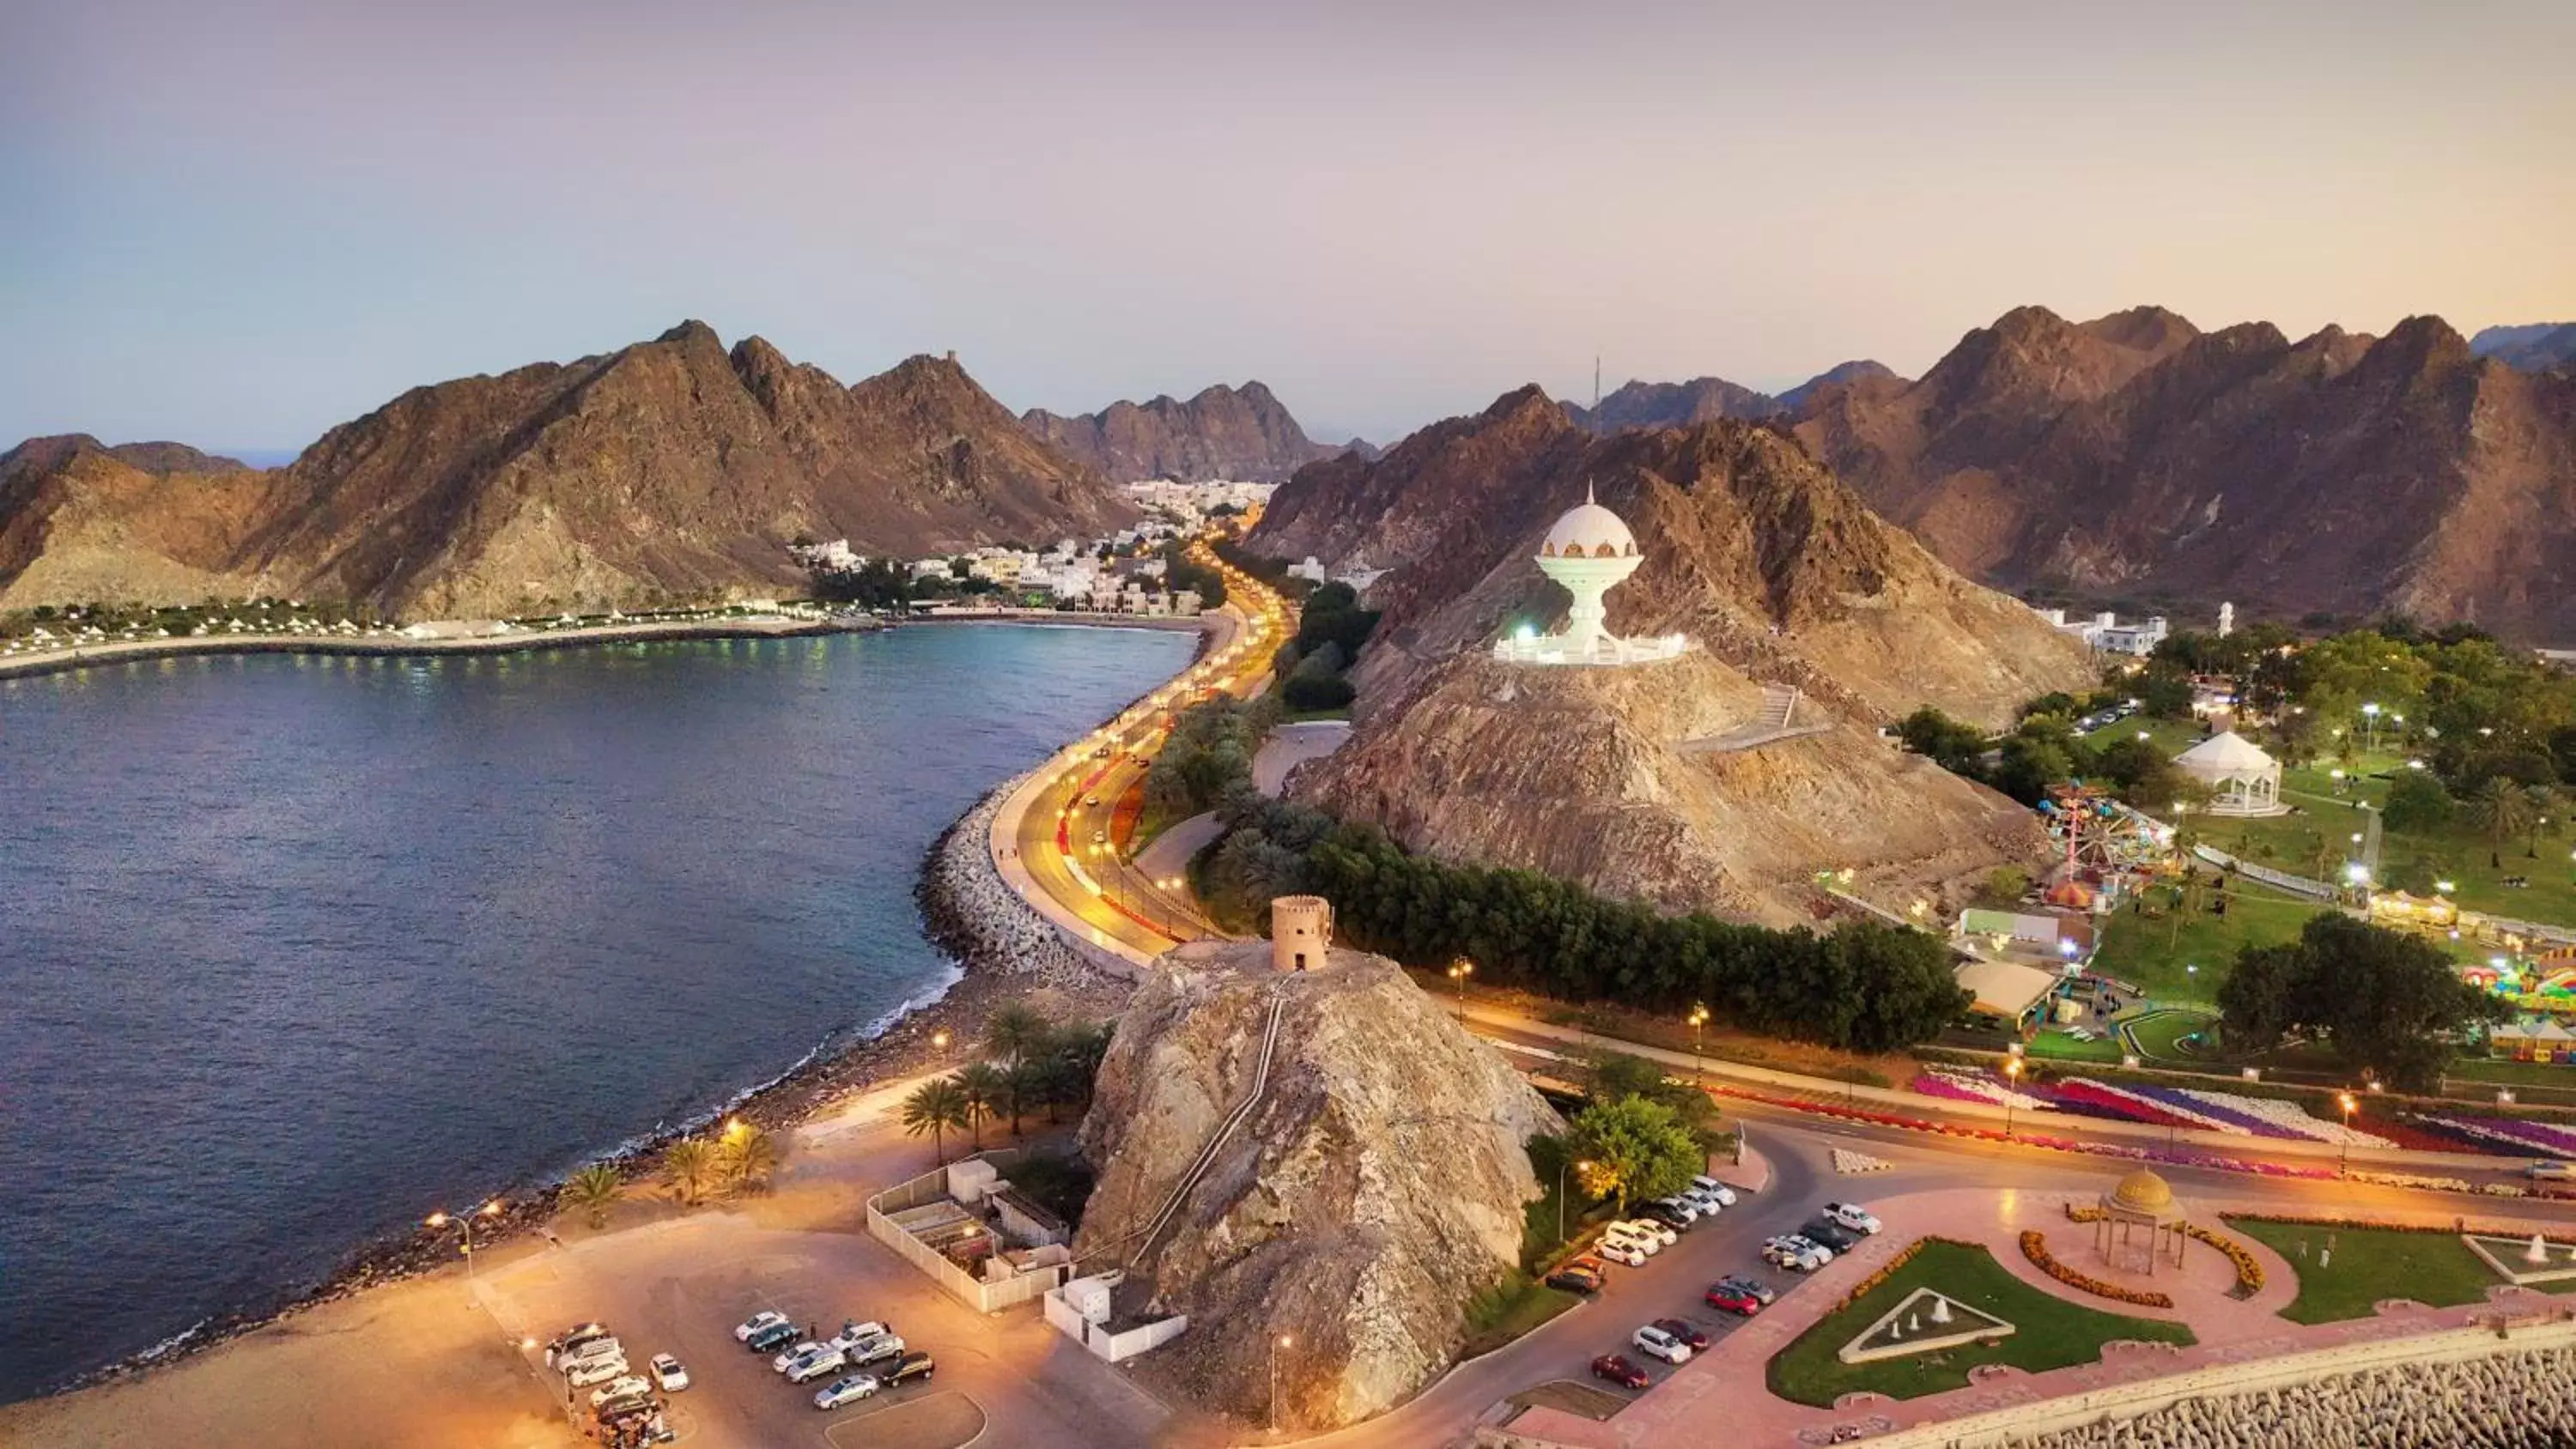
<point x="1588" y="552"/>
<point x="2242" y="779"/>
<point x="2106" y="633"/>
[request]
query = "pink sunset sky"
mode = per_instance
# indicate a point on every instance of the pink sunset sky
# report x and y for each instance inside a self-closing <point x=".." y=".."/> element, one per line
<point x="238" y="224"/>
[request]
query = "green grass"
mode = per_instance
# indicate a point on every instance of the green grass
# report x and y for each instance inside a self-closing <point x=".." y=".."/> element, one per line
<point x="2155" y="952"/>
<point x="2371" y="1264"/>
<point x="2049" y="1332"/>
<point x="2058" y="1046"/>
<point x="1509" y="1309"/>
<point x="2159" y="1034"/>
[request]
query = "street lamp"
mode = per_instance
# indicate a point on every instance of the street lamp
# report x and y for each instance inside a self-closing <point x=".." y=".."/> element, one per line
<point x="465" y="1221"/>
<point x="2012" y="1080"/>
<point x="2370" y="712"/>
<point x="1459" y="972"/>
<point x="2343" y="1160"/>
<point x="1276" y="1344"/>
<point x="1698" y="1019"/>
<point x="939" y="1040"/>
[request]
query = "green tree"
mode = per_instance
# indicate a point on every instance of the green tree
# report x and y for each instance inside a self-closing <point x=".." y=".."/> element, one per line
<point x="1954" y="745"/>
<point x="1028" y="1084"/>
<point x="689" y="1168"/>
<point x="594" y="1190"/>
<point x="2501" y="808"/>
<point x="2417" y="803"/>
<point x="1637" y="1149"/>
<point x="984" y="1086"/>
<point x="2389" y="1005"/>
<point x="1016" y="1030"/>
<point x="936" y="1107"/>
<point x="746" y="1158"/>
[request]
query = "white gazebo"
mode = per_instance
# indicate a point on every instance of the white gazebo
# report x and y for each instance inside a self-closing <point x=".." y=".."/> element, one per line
<point x="2242" y="780"/>
<point x="1588" y="552"/>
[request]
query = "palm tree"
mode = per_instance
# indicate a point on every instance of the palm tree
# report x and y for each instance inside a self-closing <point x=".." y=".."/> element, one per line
<point x="1027" y="1084"/>
<point x="595" y="1189"/>
<point x="2501" y="808"/>
<point x="1016" y="1030"/>
<point x="687" y="1167"/>
<point x="746" y="1156"/>
<point x="984" y="1086"/>
<point x="934" y="1107"/>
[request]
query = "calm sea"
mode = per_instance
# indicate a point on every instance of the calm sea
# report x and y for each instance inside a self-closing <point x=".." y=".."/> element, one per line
<point x="295" y="950"/>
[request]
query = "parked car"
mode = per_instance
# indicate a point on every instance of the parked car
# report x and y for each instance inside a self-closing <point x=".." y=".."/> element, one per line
<point x="876" y="1350"/>
<point x="1574" y="1278"/>
<point x="1755" y="1288"/>
<point x="1684" y="1333"/>
<point x="1677" y="1219"/>
<point x="845" y="1391"/>
<point x="1796" y="1254"/>
<point x="1655" y="1343"/>
<point x="1093" y="801"/>
<point x="624" y="1406"/>
<point x="588" y="1350"/>
<point x="1694" y="1211"/>
<point x="1711" y="1188"/>
<point x="1732" y="1299"/>
<point x="776" y="1335"/>
<point x="571" y="1340"/>
<point x="760" y="1322"/>
<point x="914" y="1365"/>
<point x="1663" y="1233"/>
<point x="1628" y="1235"/>
<point x="1620" y="1250"/>
<point x="1826" y="1233"/>
<point x="595" y="1371"/>
<point x="814" y="1365"/>
<point x="619" y="1389"/>
<point x="2551" y="1172"/>
<point x="789" y="1355"/>
<point x="1853" y="1216"/>
<point x="854" y="1334"/>
<point x="1617" y="1369"/>
<point x="668" y="1373"/>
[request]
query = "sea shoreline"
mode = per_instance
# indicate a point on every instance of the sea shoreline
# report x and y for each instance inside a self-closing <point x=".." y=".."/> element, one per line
<point x="993" y="956"/>
<point x="135" y="651"/>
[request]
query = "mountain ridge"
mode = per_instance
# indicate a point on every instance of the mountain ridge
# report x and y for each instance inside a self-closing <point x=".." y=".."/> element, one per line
<point x="1240" y="434"/>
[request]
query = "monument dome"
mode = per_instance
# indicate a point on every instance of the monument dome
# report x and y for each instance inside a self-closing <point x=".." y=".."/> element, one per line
<point x="1589" y="551"/>
<point x="1589" y="530"/>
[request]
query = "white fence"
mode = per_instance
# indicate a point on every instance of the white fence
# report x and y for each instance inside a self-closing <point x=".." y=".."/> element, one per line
<point x="1070" y="1319"/>
<point x="965" y="1287"/>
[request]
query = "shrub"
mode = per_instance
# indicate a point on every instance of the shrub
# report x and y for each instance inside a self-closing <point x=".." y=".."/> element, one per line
<point x="2034" y="1246"/>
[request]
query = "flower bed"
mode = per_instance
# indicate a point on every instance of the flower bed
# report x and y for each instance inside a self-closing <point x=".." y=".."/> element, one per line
<point x="2110" y="1102"/>
<point x="2288" y="1117"/>
<point x="2219" y="1117"/>
<point x="1886" y="1271"/>
<point x="1976" y="1087"/>
<point x="2249" y="1273"/>
<point x="2034" y="1246"/>
<point x="2538" y="1136"/>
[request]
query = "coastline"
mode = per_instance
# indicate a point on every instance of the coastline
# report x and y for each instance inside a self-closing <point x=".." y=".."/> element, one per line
<point x="125" y="651"/>
<point x="998" y="948"/>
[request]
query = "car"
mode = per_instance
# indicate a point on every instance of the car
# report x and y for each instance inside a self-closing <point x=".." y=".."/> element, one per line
<point x="776" y="1335"/>
<point x="1690" y="1207"/>
<point x="1573" y="1279"/>
<point x="572" y="1339"/>
<point x="1620" y="1251"/>
<point x="1754" y="1288"/>
<point x="595" y="1371"/>
<point x="876" y="1350"/>
<point x="1677" y="1219"/>
<point x="1100" y="837"/>
<point x="668" y="1373"/>
<point x="2551" y="1172"/>
<point x="1732" y="1299"/>
<point x="1617" y="1369"/>
<point x="1826" y="1233"/>
<point x="757" y="1323"/>
<point x="1709" y="1187"/>
<point x="1684" y="1333"/>
<point x="1664" y="1233"/>
<point x="795" y="1351"/>
<point x="814" y="1365"/>
<point x="619" y="1389"/>
<point x="914" y="1365"/>
<point x="624" y="1406"/>
<point x="586" y="1351"/>
<point x="845" y="1391"/>
<point x="1854" y="1217"/>
<point x="854" y="1334"/>
<point x="1624" y="1236"/>
<point x="1093" y="801"/>
<point x="1656" y="1343"/>
<point x="1796" y="1254"/>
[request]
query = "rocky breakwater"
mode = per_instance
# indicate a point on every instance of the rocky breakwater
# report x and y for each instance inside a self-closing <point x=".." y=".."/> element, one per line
<point x="1374" y="1187"/>
<point x="969" y="911"/>
<point x="2508" y="1401"/>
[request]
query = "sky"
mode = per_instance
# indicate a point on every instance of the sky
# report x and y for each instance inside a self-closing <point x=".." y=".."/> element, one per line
<point x="237" y="224"/>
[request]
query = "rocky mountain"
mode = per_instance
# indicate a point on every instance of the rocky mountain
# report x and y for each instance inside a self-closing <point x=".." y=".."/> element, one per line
<point x="2531" y="347"/>
<point x="1678" y="404"/>
<point x="671" y="468"/>
<point x="2136" y="453"/>
<point x="1376" y="1186"/>
<point x="1636" y="781"/>
<point x="1842" y="374"/>
<point x="1244" y="434"/>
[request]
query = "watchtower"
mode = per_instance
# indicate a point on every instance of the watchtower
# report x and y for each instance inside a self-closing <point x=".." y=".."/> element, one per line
<point x="1301" y="932"/>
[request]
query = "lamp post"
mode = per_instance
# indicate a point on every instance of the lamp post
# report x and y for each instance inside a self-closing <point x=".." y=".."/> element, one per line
<point x="464" y="1221"/>
<point x="2370" y="712"/>
<point x="2012" y="1081"/>
<point x="1276" y="1344"/>
<point x="1698" y="1019"/>
<point x="2343" y="1159"/>
<point x="1459" y="971"/>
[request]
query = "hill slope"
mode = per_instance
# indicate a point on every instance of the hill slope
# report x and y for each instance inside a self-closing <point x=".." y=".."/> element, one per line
<point x="2138" y="454"/>
<point x="1242" y="434"/>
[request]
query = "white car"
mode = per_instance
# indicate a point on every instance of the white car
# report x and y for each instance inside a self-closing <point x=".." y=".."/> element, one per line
<point x="2550" y="1172"/>
<point x="844" y="1391"/>
<point x="854" y="1334"/>
<point x="617" y="1387"/>
<point x="876" y="1349"/>
<point x="1853" y="1216"/>
<point x="1662" y="1345"/>
<point x="814" y="1365"/>
<point x="587" y="1351"/>
<point x="1710" y="1187"/>
<point x="1796" y="1254"/>
<point x="595" y="1371"/>
<point x="765" y="1319"/>
<point x="668" y="1373"/>
<point x="1627" y="1237"/>
<point x="1660" y="1232"/>
<point x="1619" y="1250"/>
<point x="1689" y="1210"/>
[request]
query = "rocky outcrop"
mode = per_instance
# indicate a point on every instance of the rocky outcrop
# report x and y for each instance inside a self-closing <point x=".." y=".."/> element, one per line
<point x="1679" y="404"/>
<point x="1374" y="1189"/>
<point x="1242" y="434"/>
<point x="2531" y="347"/>
<point x="671" y="468"/>
<point x="2137" y="455"/>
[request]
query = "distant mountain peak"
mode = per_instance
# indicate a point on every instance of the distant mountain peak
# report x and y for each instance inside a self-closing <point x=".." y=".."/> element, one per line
<point x="1243" y="433"/>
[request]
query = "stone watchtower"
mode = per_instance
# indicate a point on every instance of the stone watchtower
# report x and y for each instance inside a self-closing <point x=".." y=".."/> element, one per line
<point x="1301" y="932"/>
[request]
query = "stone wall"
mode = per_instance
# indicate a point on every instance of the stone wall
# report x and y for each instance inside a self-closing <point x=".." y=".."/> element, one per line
<point x="971" y="913"/>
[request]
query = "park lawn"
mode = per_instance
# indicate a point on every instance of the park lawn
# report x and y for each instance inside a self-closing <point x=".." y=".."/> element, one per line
<point x="2155" y="952"/>
<point x="2158" y="1032"/>
<point x="2058" y="1046"/>
<point x="2049" y="1332"/>
<point x="1509" y="1309"/>
<point x="2371" y="1264"/>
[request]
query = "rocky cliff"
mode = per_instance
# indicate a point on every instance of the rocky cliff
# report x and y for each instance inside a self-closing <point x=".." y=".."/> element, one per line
<point x="2532" y="346"/>
<point x="1679" y="404"/>
<point x="1377" y="1186"/>
<point x="1242" y="434"/>
<point x="671" y="468"/>
<point x="2137" y="454"/>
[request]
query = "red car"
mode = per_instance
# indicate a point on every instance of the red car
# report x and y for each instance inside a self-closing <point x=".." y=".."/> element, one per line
<point x="1682" y="1330"/>
<point x="1734" y="1300"/>
<point x="1617" y="1369"/>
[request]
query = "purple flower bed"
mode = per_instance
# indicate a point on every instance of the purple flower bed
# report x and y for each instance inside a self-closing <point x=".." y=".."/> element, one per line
<point x="2540" y="1135"/>
<point x="2185" y="1102"/>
